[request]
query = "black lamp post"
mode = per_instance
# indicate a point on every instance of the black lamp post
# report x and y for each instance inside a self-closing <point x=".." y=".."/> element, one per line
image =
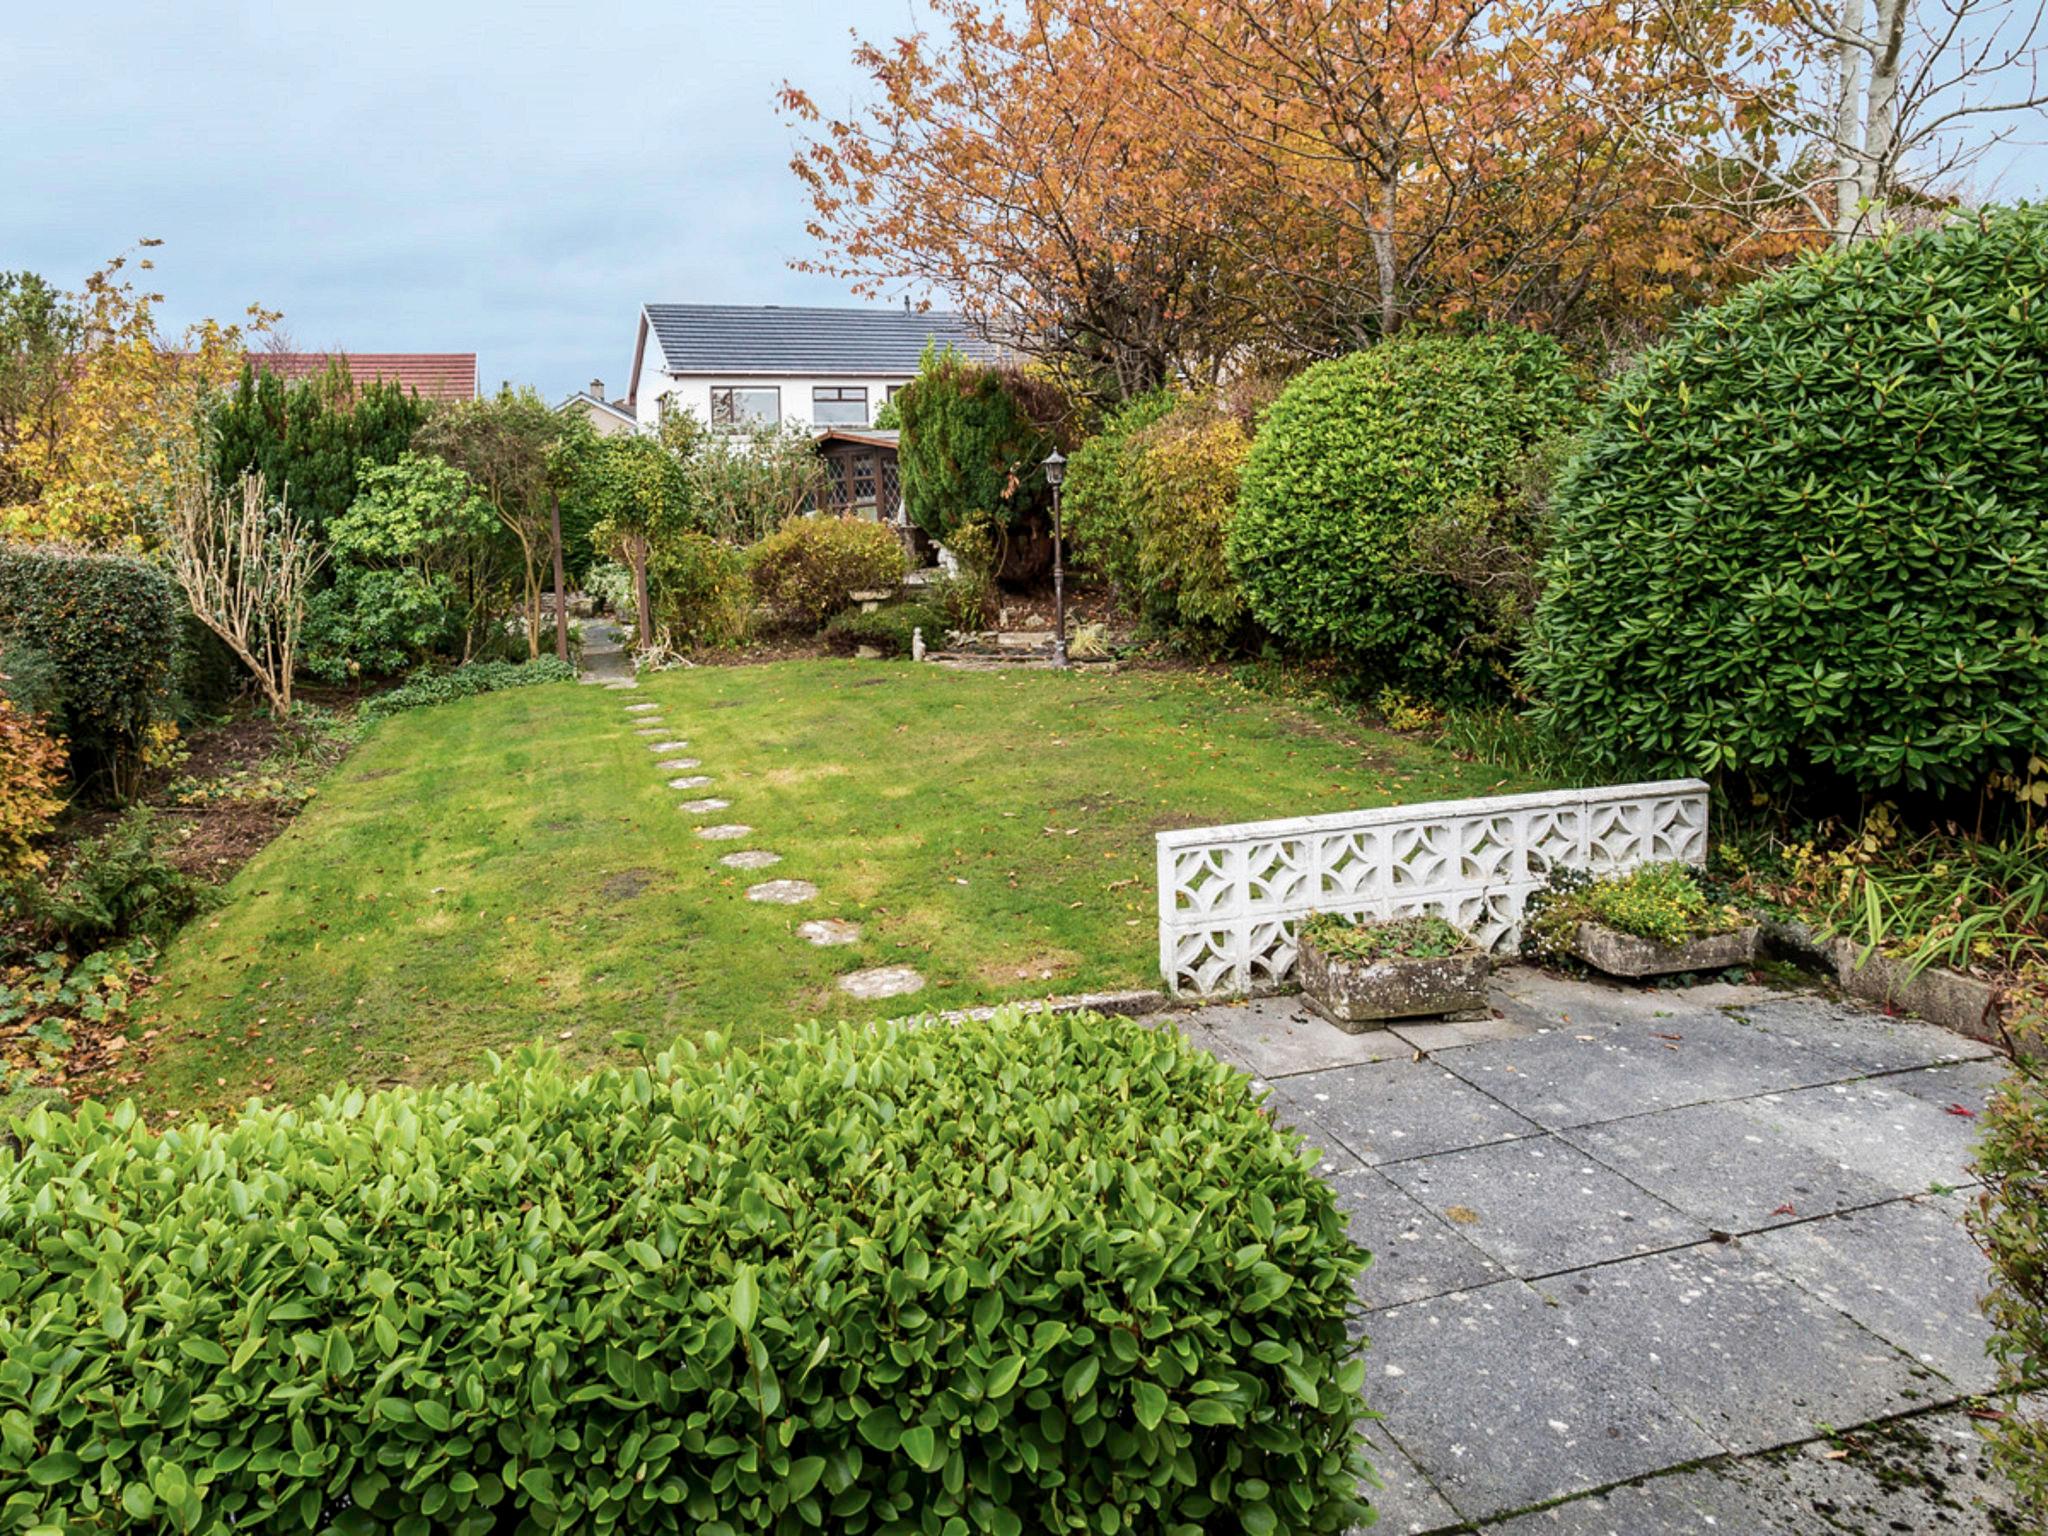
<point x="1055" y="467"/>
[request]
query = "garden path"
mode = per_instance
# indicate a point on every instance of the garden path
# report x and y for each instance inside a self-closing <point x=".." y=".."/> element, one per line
<point x="605" y="658"/>
<point x="879" y="982"/>
<point x="1654" y="1262"/>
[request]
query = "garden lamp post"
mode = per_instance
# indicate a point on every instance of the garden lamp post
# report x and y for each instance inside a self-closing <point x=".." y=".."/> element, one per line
<point x="1055" y="467"/>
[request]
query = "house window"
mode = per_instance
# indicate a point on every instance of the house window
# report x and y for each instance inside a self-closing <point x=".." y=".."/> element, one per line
<point x="864" y="480"/>
<point x="840" y="405"/>
<point x="734" y="406"/>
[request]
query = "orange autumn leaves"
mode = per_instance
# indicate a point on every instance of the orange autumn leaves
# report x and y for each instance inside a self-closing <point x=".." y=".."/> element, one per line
<point x="1151" y="187"/>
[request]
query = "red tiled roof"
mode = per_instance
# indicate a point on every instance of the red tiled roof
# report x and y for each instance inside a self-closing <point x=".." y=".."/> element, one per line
<point x="435" y="375"/>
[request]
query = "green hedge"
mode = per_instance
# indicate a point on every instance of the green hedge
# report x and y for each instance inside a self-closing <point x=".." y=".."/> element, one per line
<point x="1351" y="455"/>
<point x="1805" y="540"/>
<point x="467" y="681"/>
<point x="888" y="629"/>
<point x="1027" y="1275"/>
<point x="107" y="629"/>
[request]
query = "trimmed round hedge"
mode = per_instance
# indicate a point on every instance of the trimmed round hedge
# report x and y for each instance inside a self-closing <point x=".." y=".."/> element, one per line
<point x="1351" y="454"/>
<point x="1032" y="1274"/>
<point x="1807" y="540"/>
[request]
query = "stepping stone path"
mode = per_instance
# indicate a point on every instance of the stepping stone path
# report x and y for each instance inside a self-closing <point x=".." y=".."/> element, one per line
<point x="883" y="981"/>
<point x="622" y="683"/>
<point x="825" y="933"/>
<point x="828" y="931"/>
<point x="784" y="893"/>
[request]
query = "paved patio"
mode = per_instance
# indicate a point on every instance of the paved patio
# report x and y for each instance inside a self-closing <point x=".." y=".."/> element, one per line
<point x="1654" y="1262"/>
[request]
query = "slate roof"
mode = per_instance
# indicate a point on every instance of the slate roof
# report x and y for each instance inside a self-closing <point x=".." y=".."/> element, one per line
<point x="771" y="339"/>
<point x="436" y="375"/>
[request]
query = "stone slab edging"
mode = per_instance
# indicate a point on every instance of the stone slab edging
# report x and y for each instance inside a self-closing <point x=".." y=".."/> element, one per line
<point x="1232" y="897"/>
<point x="1966" y="1004"/>
<point x="1124" y="1005"/>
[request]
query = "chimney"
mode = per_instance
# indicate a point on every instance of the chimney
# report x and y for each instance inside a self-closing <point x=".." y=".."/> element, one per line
<point x="597" y="389"/>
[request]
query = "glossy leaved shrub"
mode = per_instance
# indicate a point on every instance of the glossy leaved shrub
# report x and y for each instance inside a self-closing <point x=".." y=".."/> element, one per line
<point x="1805" y="540"/>
<point x="1351" y="455"/>
<point x="1026" y="1275"/>
<point x="103" y="630"/>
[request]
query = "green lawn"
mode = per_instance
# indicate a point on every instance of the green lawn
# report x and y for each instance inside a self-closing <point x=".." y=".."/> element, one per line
<point x="483" y="873"/>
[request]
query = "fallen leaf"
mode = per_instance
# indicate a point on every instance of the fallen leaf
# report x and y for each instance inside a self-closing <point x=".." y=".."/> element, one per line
<point x="1963" y="1110"/>
<point x="1785" y="1210"/>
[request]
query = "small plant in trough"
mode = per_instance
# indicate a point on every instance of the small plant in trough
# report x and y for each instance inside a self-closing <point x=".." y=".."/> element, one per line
<point x="1655" y="920"/>
<point x="1360" y="973"/>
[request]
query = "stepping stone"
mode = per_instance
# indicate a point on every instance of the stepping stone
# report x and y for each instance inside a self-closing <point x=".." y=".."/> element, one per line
<point x="828" y="931"/>
<point x="641" y="709"/>
<point x="752" y="858"/>
<point x="784" y="893"/>
<point x="710" y="803"/>
<point x="690" y="781"/>
<point x="667" y="746"/>
<point x="679" y="765"/>
<point x="653" y="728"/>
<point x="725" y="832"/>
<point x="883" y="981"/>
<point x="622" y="684"/>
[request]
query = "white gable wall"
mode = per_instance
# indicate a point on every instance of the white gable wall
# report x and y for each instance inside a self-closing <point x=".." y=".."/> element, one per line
<point x="692" y="392"/>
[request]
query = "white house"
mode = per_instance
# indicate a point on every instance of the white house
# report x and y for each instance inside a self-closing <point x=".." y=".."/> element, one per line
<point x="606" y="417"/>
<point x="734" y="365"/>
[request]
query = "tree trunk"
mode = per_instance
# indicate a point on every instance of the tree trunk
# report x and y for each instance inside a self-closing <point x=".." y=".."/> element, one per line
<point x="561" y="582"/>
<point x="1383" y="257"/>
<point x="643" y="621"/>
<point x="1850" y="159"/>
<point x="1881" y="125"/>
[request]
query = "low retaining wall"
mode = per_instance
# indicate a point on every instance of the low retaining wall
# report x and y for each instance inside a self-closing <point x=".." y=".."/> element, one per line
<point x="1230" y="898"/>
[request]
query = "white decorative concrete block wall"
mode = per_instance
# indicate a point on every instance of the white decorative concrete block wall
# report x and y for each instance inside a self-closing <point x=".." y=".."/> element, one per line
<point x="1230" y="898"/>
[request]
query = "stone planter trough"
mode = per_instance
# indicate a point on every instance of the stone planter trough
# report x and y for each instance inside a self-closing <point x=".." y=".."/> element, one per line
<point x="1623" y="954"/>
<point x="1357" y="995"/>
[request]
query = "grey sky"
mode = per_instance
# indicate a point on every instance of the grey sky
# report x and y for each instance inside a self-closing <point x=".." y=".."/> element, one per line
<point x="512" y="179"/>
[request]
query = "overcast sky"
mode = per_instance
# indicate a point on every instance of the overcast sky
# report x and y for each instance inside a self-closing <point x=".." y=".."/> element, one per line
<point x="512" y="179"/>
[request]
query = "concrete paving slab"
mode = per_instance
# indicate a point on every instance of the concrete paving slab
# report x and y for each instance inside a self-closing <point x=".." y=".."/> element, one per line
<point x="1737" y="1346"/>
<point x="1729" y="1166"/>
<point x="1393" y="1109"/>
<point x="1540" y="1205"/>
<point x="1861" y="1038"/>
<point x="1708" y="1501"/>
<point x="1549" y="1001"/>
<point x="1967" y="1083"/>
<point x="1882" y="1266"/>
<point x="1450" y="1034"/>
<point x="1504" y="1403"/>
<point x="1414" y="1253"/>
<point x="1593" y="1072"/>
<point x="1408" y="1502"/>
<point x="1927" y="1476"/>
<point x="1277" y="1037"/>
<point x="1907" y="1143"/>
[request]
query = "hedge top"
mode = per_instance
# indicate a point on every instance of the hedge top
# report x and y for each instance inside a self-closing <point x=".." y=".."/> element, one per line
<point x="1032" y="1274"/>
<point x="1806" y="534"/>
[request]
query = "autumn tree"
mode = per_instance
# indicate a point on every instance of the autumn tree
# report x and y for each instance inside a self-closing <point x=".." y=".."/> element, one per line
<point x="41" y="337"/>
<point x="1021" y="170"/>
<point x="128" y="426"/>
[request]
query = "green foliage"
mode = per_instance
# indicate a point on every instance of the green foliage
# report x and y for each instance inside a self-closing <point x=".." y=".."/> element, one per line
<point x="2010" y="1223"/>
<point x="1405" y="938"/>
<point x="1663" y="903"/>
<point x="701" y="588"/>
<point x="106" y="627"/>
<point x="887" y="629"/>
<point x="888" y="416"/>
<point x="1348" y="459"/>
<point x="114" y="886"/>
<point x="1097" y="500"/>
<point x="970" y="451"/>
<point x="47" y="997"/>
<point x="41" y="334"/>
<point x="1024" y="1275"/>
<point x="311" y="440"/>
<point x="746" y="484"/>
<point x="418" y="557"/>
<point x="466" y="682"/>
<point x="810" y="568"/>
<point x="1185" y="472"/>
<point x="1804" y="542"/>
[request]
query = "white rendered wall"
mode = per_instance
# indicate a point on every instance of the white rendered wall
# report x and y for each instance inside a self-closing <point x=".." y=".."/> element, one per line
<point x="692" y="392"/>
<point x="1232" y="897"/>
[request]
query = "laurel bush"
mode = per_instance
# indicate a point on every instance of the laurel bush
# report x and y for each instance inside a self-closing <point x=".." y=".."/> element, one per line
<point x="1029" y="1274"/>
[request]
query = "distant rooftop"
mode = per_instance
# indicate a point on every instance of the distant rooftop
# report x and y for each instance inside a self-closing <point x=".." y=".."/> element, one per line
<point x="435" y="375"/>
<point x="751" y="338"/>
